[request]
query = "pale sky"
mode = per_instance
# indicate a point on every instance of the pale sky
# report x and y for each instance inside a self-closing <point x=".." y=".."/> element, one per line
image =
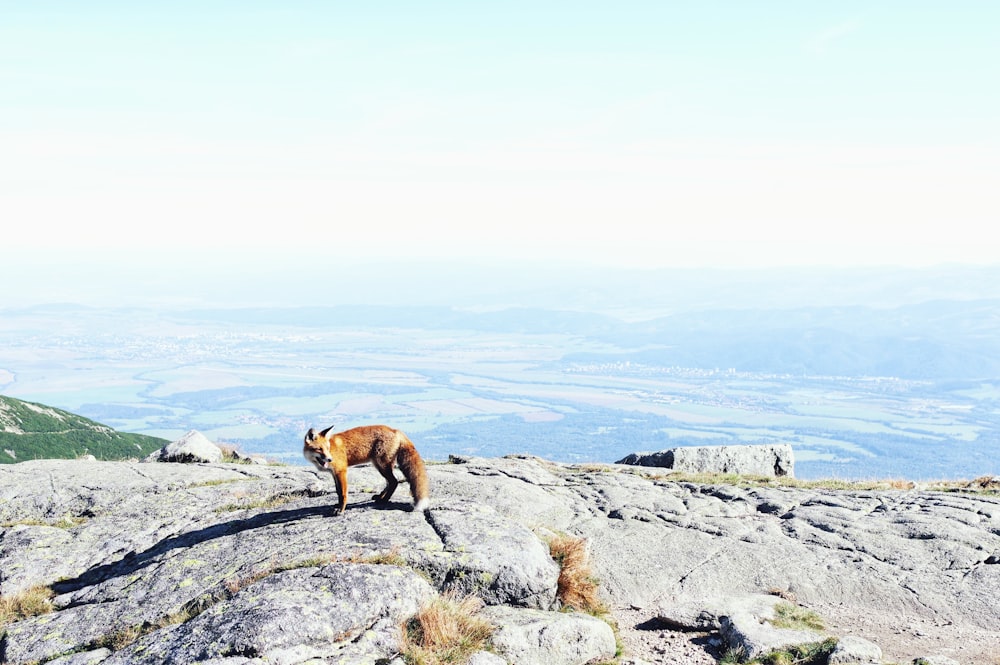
<point x="653" y="134"/>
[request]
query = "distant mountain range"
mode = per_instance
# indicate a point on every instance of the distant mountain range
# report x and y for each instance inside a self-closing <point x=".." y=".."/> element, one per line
<point x="35" y="431"/>
<point x="936" y="340"/>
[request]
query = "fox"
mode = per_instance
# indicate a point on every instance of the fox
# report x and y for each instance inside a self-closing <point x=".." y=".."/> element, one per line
<point x="381" y="445"/>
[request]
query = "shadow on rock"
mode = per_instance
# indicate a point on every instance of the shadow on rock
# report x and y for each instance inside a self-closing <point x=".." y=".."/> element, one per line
<point x="134" y="562"/>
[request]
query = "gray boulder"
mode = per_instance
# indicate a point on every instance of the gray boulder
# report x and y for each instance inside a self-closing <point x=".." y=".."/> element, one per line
<point x="515" y="571"/>
<point x="705" y="614"/>
<point x="192" y="447"/>
<point x="744" y="621"/>
<point x="935" y="660"/>
<point x="754" y="635"/>
<point x="755" y="460"/>
<point x="853" y="650"/>
<point x="532" y="637"/>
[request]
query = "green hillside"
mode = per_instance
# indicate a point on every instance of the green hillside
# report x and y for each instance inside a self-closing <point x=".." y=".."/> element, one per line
<point x="35" y="431"/>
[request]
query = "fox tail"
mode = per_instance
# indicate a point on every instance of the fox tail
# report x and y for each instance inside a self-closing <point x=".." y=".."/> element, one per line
<point x="412" y="467"/>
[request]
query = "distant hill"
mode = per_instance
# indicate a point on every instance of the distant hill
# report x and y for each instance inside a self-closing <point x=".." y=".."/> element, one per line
<point x="35" y="431"/>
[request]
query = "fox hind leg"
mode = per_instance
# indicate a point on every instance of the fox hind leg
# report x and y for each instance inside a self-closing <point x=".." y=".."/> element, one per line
<point x="390" y="482"/>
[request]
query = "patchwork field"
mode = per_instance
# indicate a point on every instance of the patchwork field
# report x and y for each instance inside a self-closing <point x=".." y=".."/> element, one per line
<point x="568" y="396"/>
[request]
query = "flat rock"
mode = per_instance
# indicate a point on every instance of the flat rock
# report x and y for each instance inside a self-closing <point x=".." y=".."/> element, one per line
<point x="532" y="637"/>
<point x="340" y="611"/>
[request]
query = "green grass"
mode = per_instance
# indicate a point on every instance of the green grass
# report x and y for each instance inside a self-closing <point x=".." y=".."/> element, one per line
<point x="794" y="617"/>
<point x="790" y="617"/>
<point x="816" y="653"/>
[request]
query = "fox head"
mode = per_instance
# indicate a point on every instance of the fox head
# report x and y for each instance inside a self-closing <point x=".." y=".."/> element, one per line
<point x="316" y="450"/>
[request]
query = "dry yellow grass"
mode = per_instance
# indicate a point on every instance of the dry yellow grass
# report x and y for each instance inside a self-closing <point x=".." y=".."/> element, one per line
<point x="28" y="603"/>
<point x="446" y="631"/>
<point x="987" y="482"/>
<point x="577" y="587"/>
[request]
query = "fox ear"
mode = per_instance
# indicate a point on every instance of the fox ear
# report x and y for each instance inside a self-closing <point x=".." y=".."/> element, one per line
<point x="311" y="434"/>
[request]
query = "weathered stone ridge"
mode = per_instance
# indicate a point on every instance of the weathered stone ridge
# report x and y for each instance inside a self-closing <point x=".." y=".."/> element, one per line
<point x="238" y="563"/>
<point x="751" y="460"/>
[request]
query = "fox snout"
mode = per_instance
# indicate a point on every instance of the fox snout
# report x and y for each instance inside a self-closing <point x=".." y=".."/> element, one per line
<point x="318" y="458"/>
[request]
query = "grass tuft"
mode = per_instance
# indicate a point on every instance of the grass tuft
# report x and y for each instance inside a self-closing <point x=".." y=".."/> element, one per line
<point x="31" y="602"/>
<point x="65" y="522"/>
<point x="216" y="482"/>
<point x="732" y="656"/>
<point x="577" y="587"/>
<point x="986" y="483"/>
<point x="816" y="653"/>
<point x="388" y="558"/>
<point x="120" y="639"/>
<point x="446" y="631"/>
<point x="794" y="617"/>
<point x="259" y="502"/>
<point x="784" y="594"/>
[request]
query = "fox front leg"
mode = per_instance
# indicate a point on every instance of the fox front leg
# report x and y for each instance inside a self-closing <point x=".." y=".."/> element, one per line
<point x="340" y="478"/>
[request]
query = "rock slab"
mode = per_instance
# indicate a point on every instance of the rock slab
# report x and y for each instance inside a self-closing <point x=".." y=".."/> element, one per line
<point x="181" y="560"/>
<point x="756" y="460"/>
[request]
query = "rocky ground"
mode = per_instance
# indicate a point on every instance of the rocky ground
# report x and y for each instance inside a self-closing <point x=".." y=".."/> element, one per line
<point x="913" y="571"/>
<point x="190" y="562"/>
<point x="647" y="640"/>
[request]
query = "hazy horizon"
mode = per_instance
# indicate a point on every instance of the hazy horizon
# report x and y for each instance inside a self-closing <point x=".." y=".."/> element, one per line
<point x="212" y="279"/>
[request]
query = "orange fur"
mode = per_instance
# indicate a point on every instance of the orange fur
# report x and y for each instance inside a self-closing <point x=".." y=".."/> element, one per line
<point x="381" y="445"/>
